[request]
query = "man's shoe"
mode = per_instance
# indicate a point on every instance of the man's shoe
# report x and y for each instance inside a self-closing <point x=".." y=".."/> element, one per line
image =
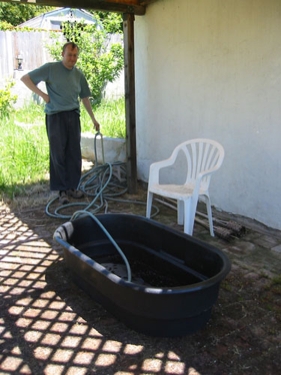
<point x="63" y="198"/>
<point x="75" y="193"/>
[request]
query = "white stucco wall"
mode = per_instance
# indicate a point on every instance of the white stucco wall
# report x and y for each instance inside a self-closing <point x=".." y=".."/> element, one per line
<point x="212" y="69"/>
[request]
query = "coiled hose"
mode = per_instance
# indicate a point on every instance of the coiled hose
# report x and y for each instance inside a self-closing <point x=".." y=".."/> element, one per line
<point x="102" y="183"/>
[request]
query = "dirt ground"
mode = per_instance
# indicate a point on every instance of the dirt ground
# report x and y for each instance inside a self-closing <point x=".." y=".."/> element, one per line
<point x="49" y="326"/>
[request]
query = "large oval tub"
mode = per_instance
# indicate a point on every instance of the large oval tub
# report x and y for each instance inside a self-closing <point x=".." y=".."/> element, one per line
<point x="174" y="279"/>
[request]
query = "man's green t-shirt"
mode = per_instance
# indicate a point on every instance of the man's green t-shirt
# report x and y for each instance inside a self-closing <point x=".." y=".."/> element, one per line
<point x="64" y="86"/>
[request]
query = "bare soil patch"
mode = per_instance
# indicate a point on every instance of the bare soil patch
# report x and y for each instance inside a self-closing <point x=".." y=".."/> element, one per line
<point x="49" y="326"/>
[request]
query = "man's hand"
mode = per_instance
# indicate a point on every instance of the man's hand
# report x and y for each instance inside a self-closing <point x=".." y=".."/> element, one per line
<point x="96" y="125"/>
<point x="87" y="104"/>
<point x="45" y="97"/>
<point x="28" y="82"/>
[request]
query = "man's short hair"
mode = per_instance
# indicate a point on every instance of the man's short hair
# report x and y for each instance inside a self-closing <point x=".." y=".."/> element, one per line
<point x="72" y="44"/>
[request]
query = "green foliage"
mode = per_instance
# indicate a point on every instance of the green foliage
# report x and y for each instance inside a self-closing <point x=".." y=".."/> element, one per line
<point x="111" y="116"/>
<point x="24" y="154"/>
<point x="7" y="99"/>
<point x="24" y="147"/>
<point x="4" y="25"/>
<point x="31" y="113"/>
<point x="99" y="62"/>
<point x="112" y="22"/>
<point x="16" y="14"/>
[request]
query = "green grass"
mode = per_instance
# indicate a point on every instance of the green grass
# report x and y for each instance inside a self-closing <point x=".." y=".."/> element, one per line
<point x="31" y="114"/>
<point x="23" y="156"/>
<point x="24" y="148"/>
<point x="111" y="117"/>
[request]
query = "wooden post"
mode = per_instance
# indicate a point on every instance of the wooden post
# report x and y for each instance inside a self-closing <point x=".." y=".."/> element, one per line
<point x="130" y="105"/>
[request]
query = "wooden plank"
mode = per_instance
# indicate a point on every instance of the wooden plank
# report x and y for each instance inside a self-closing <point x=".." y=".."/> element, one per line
<point x="119" y="6"/>
<point x="129" y="66"/>
<point x="135" y="2"/>
<point x="147" y="2"/>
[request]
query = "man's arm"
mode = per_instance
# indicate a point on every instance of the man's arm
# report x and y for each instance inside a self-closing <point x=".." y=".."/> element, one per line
<point x="28" y="83"/>
<point x="87" y="104"/>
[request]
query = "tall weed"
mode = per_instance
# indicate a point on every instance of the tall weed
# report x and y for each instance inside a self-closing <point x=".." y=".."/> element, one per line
<point x="23" y="155"/>
<point x="7" y="99"/>
<point x="24" y="147"/>
<point x="111" y="116"/>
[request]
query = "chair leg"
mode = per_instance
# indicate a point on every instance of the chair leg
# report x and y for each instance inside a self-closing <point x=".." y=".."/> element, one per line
<point x="189" y="215"/>
<point x="149" y="204"/>
<point x="180" y="207"/>
<point x="210" y="217"/>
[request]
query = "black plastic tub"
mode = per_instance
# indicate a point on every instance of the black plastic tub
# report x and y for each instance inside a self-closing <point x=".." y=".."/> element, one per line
<point x="175" y="278"/>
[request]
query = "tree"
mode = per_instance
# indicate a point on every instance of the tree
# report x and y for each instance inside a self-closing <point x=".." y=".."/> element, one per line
<point x="15" y="14"/>
<point x="100" y="61"/>
<point x="112" y="22"/>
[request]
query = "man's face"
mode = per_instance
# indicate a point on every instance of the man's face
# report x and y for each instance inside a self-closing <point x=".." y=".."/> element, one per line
<point x="69" y="57"/>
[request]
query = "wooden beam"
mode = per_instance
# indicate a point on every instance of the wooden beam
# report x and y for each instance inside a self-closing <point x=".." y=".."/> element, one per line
<point x="147" y="2"/>
<point x="118" y="6"/>
<point x="128" y="2"/>
<point x="129" y="65"/>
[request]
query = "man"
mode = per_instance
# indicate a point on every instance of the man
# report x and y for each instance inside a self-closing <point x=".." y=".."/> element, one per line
<point x="65" y="84"/>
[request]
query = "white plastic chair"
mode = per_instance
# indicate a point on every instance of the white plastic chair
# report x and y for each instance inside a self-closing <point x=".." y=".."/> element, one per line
<point x="202" y="158"/>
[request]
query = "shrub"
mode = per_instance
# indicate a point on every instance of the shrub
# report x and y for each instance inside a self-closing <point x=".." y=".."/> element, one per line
<point x="99" y="62"/>
<point x="7" y="99"/>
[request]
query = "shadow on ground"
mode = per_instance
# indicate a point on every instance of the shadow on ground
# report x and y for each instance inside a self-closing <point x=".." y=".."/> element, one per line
<point x="49" y="326"/>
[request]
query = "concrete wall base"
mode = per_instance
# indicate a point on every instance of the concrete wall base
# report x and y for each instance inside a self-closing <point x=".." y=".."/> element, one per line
<point x="114" y="148"/>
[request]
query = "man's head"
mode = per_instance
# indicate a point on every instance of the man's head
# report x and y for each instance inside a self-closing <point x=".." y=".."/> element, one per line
<point x="70" y="52"/>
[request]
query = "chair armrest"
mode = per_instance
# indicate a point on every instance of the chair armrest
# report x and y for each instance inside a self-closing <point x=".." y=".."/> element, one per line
<point x="209" y="171"/>
<point x="155" y="168"/>
<point x="201" y="175"/>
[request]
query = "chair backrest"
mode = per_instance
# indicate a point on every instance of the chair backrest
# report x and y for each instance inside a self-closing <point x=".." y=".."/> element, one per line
<point x="202" y="155"/>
